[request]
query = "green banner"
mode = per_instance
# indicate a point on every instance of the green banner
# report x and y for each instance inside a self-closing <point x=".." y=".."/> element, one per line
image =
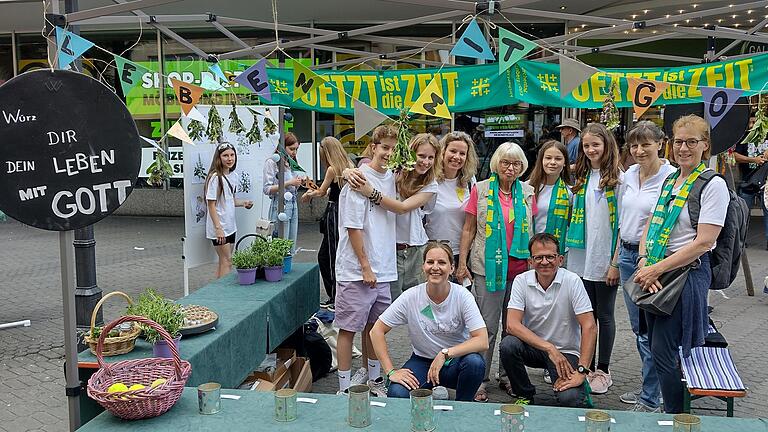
<point x="539" y="83"/>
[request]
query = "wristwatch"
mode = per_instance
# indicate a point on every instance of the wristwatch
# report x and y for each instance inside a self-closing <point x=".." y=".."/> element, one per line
<point x="445" y="353"/>
<point x="583" y="370"/>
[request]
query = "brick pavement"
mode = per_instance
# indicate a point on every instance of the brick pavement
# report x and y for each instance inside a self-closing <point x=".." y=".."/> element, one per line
<point x="31" y="358"/>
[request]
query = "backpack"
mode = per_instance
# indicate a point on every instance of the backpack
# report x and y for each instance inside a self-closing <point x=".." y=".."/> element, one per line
<point x="725" y="257"/>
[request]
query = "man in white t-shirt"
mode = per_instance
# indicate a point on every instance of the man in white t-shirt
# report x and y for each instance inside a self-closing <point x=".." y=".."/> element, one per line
<point x="365" y="260"/>
<point x="549" y="325"/>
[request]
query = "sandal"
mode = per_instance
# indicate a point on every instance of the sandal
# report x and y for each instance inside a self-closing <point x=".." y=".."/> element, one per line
<point x="507" y="388"/>
<point x="482" y="394"/>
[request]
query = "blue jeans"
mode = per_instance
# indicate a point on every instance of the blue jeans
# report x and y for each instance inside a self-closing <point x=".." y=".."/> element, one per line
<point x="750" y="199"/>
<point x="649" y="395"/>
<point x="465" y="374"/>
<point x="291" y="225"/>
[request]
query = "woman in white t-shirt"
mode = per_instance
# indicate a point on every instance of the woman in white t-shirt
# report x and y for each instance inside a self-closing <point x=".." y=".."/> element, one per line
<point x="456" y="166"/>
<point x="446" y="329"/>
<point x="592" y="238"/>
<point x="551" y="181"/>
<point x="640" y="190"/>
<point x="415" y="188"/>
<point x="220" y="188"/>
<point x="673" y="242"/>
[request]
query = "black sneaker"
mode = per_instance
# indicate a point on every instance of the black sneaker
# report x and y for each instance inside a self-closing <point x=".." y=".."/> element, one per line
<point x="331" y="307"/>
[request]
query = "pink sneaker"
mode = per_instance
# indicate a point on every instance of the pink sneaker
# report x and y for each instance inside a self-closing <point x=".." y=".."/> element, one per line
<point x="599" y="381"/>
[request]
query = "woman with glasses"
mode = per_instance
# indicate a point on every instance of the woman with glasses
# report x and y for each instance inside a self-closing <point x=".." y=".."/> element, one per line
<point x="335" y="159"/>
<point x="551" y="181"/>
<point x="592" y="238"/>
<point x="219" y="190"/>
<point x="639" y="192"/>
<point x="446" y="330"/>
<point x="672" y="240"/>
<point x="292" y="181"/>
<point x="456" y="165"/>
<point x="494" y="240"/>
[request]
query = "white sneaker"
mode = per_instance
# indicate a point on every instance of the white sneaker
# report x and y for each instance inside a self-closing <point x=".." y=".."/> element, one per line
<point x="360" y="377"/>
<point x="344" y="392"/>
<point x="547" y="378"/>
<point x="599" y="381"/>
<point x="378" y="387"/>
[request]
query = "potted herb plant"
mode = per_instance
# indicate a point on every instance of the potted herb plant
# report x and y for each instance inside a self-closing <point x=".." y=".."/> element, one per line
<point x="273" y="263"/>
<point x="245" y="261"/>
<point x="259" y="247"/>
<point x="164" y="312"/>
<point x="284" y="246"/>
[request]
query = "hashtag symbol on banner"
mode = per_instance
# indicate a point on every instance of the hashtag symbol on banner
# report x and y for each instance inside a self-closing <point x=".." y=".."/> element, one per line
<point x="480" y="87"/>
<point x="280" y="87"/>
<point x="548" y="82"/>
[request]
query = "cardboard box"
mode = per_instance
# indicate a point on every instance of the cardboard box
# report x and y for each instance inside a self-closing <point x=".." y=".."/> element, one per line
<point x="285" y="358"/>
<point x="298" y="377"/>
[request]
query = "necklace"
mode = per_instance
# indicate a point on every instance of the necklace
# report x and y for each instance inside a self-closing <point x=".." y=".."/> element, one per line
<point x="505" y="193"/>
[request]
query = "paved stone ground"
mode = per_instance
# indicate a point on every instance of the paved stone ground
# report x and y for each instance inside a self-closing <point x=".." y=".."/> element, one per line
<point x="31" y="358"/>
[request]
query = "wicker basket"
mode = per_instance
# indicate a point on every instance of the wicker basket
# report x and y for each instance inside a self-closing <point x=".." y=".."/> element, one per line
<point x="113" y="345"/>
<point x="146" y="402"/>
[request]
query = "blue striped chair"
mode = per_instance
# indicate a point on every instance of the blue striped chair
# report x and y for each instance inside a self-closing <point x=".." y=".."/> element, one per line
<point x="710" y="372"/>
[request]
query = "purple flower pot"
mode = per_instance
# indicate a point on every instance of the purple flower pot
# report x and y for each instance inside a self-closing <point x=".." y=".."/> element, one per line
<point x="273" y="274"/>
<point x="246" y="276"/>
<point x="161" y="348"/>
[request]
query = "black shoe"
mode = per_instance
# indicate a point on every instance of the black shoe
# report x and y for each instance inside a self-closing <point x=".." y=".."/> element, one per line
<point x="710" y="309"/>
<point x="331" y="307"/>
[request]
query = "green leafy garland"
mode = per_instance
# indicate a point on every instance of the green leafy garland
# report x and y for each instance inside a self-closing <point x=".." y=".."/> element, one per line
<point x="159" y="171"/>
<point x="214" y="131"/>
<point x="403" y="158"/>
<point x="235" y="124"/>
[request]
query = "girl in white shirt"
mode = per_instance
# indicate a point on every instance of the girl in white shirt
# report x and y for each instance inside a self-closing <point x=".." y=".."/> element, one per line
<point x="220" y="188"/>
<point x="593" y="237"/>
<point x="551" y="181"/>
<point x="456" y="166"/>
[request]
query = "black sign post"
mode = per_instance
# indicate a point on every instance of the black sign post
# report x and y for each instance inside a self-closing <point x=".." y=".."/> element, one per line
<point x="69" y="156"/>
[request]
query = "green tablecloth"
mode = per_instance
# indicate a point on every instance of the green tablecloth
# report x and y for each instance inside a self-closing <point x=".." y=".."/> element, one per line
<point x="252" y="320"/>
<point x="255" y="409"/>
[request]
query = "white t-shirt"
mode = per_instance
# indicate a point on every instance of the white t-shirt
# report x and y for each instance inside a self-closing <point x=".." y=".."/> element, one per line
<point x="714" y="206"/>
<point x="638" y="202"/>
<point x="446" y="220"/>
<point x="597" y="234"/>
<point x="542" y="207"/>
<point x="551" y="313"/>
<point x="378" y="229"/>
<point x="449" y="324"/>
<point x="225" y="206"/>
<point x="410" y="228"/>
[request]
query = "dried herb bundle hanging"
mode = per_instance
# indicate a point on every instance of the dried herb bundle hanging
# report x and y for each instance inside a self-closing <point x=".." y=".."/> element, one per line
<point x="214" y="131"/>
<point x="196" y="130"/>
<point x="610" y="115"/>
<point x="270" y="128"/>
<point x="159" y="171"/>
<point x="235" y="124"/>
<point x="759" y="130"/>
<point x="254" y="135"/>
<point x="403" y="158"/>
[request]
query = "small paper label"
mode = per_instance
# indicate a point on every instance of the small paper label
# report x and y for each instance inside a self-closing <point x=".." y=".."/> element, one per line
<point x="666" y="423"/>
<point x="306" y="400"/>
<point x="233" y="397"/>
<point x="443" y="408"/>
<point x="378" y="404"/>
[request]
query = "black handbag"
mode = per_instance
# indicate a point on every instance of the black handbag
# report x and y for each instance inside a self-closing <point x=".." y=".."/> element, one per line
<point x="662" y="302"/>
<point x="756" y="181"/>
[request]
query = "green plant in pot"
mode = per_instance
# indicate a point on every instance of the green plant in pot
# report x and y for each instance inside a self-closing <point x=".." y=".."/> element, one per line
<point x="246" y="262"/>
<point x="165" y="313"/>
<point x="284" y="246"/>
<point x="273" y="263"/>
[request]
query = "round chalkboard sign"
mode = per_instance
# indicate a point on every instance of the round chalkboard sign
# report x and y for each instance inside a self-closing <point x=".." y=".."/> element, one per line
<point x="728" y="132"/>
<point x="69" y="150"/>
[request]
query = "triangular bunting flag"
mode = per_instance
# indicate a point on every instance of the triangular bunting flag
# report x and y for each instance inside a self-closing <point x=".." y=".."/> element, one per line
<point x="572" y="74"/>
<point x="216" y="69"/>
<point x="194" y="114"/>
<point x="70" y="46"/>
<point x="473" y="43"/>
<point x="291" y="162"/>
<point x="644" y="93"/>
<point x="187" y="94"/>
<point x="304" y="80"/>
<point x="153" y="142"/>
<point x="255" y="79"/>
<point x="128" y="73"/>
<point x="431" y="102"/>
<point x="512" y="48"/>
<point x="177" y="131"/>
<point x="717" y="102"/>
<point x="366" y="118"/>
<point x="209" y="82"/>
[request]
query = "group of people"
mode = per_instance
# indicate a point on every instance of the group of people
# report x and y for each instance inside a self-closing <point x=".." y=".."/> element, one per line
<point x="534" y="264"/>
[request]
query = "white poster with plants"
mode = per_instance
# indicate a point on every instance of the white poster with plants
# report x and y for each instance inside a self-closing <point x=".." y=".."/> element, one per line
<point x="253" y="132"/>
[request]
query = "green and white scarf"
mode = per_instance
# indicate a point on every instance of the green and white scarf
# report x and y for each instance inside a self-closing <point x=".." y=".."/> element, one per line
<point x="664" y="218"/>
<point x="575" y="237"/>
<point x="557" y="213"/>
<point x="496" y="254"/>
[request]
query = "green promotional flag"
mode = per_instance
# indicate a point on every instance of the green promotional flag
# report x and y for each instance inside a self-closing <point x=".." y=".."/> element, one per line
<point x="512" y="48"/>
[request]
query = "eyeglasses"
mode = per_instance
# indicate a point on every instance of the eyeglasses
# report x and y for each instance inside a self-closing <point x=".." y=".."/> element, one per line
<point x="224" y="146"/>
<point x="690" y="143"/>
<point x="504" y="164"/>
<point x="538" y="259"/>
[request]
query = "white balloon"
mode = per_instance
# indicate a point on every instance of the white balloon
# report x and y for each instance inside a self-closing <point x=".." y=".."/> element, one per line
<point x="282" y="217"/>
<point x="275" y="157"/>
<point x="288" y="196"/>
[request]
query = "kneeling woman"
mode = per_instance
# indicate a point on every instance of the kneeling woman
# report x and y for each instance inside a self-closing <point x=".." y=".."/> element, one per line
<point x="446" y="329"/>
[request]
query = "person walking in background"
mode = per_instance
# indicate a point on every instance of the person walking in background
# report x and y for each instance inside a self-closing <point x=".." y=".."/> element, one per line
<point x="220" y="188"/>
<point x="494" y="241"/>
<point x="593" y="237"/>
<point x="639" y="192"/>
<point x="292" y="181"/>
<point x="335" y="159"/>
<point x="455" y="169"/>
<point x="751" y="158"/>
<point x="569" y="132"/>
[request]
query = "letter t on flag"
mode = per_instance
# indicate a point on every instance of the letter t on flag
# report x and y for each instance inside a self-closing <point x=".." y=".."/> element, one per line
<point x="512" y="48"/>
<point x="187" y="94"/>
<point x="717" y="102"/>
<point x="255" y="79"/>
<point x="69" y="47"/>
